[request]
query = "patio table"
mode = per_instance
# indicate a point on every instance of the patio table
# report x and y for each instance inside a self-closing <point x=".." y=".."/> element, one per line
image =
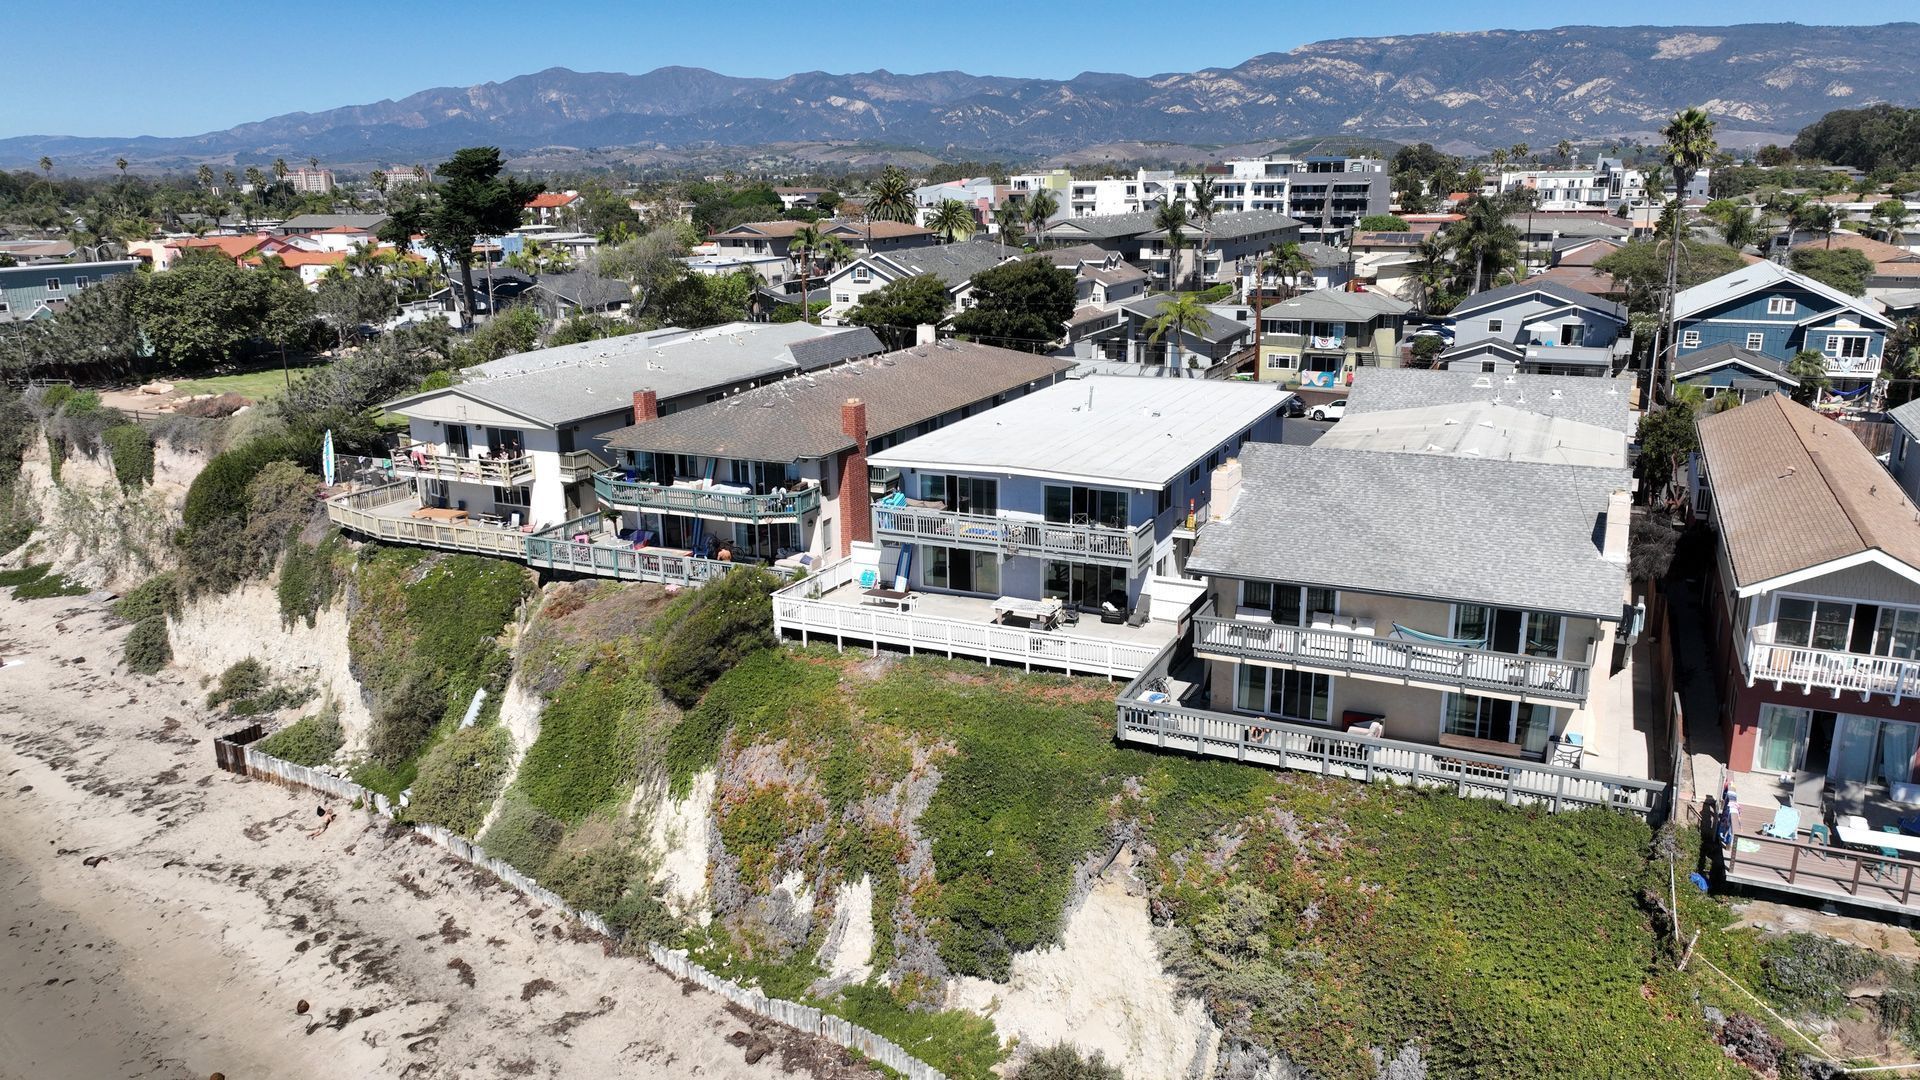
<point x="439" y="513"/>
<point x="1853" y="830"/>
<point x="1041" y="613"/>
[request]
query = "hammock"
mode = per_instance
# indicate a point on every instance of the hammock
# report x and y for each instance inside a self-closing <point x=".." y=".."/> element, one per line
<point x="1855" y="392"/>
<point x="1437" y="639"/>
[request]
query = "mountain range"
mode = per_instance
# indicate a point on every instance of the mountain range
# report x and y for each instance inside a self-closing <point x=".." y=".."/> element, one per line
<point x="1461" y="91"/>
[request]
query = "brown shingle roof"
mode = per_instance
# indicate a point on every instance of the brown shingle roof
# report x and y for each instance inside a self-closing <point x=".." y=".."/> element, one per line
<point x="1888" y="260"/>
<point x="796" y="419"/>
<point x="1794" y="490"/>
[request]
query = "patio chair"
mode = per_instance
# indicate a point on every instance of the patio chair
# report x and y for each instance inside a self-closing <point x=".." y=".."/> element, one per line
<point x="868" y="578"/>
<point x="1820" y="836"/>
<point x="1784" y="826"/>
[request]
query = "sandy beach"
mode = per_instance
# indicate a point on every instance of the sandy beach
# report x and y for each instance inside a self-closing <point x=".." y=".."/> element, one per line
<point x="166" y="919"/>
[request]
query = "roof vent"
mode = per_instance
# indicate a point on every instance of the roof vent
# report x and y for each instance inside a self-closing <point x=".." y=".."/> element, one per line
<point x="1555" y="395"/>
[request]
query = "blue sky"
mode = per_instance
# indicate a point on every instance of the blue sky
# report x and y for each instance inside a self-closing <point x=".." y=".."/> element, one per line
<point x="140" y="67"/>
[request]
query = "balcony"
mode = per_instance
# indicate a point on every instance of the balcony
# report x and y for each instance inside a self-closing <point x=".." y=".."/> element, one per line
<point x="577" y="465"/>
<point x="388" y="512"/>
<point x="1156" y="710"/>
<point x="423" y="460"/>
<point x="1083" y="542"/>
<point x="832" y="605"/>
<point x="577" y="548"/>
<point x="717" y="503"/>
<point x="1828" y="669"/>
<point x="1414" y="663"/>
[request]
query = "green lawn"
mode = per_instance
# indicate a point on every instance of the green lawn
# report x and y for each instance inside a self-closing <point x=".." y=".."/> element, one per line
<point x="257" y="385"/>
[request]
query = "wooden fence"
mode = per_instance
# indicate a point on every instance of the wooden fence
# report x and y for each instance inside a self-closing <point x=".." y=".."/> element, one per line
<point x="236" y="749"/>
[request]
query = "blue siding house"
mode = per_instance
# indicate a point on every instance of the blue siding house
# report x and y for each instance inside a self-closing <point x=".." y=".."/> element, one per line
<point x="1079" y="493"/>
<point x="40" y="290"/>
<point x="1768" y="309"/>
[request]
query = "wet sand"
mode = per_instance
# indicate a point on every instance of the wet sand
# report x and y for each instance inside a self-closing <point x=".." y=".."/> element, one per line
<point x="187" y="948"/>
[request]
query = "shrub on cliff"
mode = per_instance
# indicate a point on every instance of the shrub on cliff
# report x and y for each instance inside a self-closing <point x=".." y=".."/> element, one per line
<point x="147" y="648"/>
<point x="728" y="620"/>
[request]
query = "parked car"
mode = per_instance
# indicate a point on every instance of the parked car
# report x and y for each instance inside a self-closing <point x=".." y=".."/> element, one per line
<point x="1296" y="407"/>
<point x="1444" y="333"/>
<point x="1332" y="410"/>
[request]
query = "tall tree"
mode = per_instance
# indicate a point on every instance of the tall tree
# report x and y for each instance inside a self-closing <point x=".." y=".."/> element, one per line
<point x="1041" y="206"/>
<point x="204" y="175"/>
<point x="280" y="169"/>
<point x="892" y="197"/>
<point x="1688" y="145"/>
<point x="475" y="201"/>
<point x="1201" y="208"/>
<point x="1892" y="214"/>
<point x="806" y="241"/>
<point x="895" y="310"/>
<point x="1006" y="219"/>
<point x="121" y="164"/>
<point x="953" y="220"/>
<point x="1179" y="315"/>
<point x="1172" y="219"/>
<point x="1024" y="304"/>
<point x="46" y="165"/>
<point x="1486" y="238"/>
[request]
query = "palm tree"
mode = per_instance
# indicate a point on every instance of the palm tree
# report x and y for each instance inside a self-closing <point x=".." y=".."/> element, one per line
<point x="121" y="164"/>
<point x="1041" y="206"/>
<point x="1689" y="146"/>
<point x="1287" y="262"/>
<point x="1431" y="270"/>
<point x="1824" y="218"/>
<point x="204" y="175"/>
<point x="1518" y="151"/>
<point x="891" y="198"/>
<point x="1486" y="236"/>
<point x="378" y="178"/>
<point x="1172" y="219"/>
<point x="1178" y="315"/>
<point x="1893" y="214"/>
<point x="232" y="181"/>
<point x="280" y="169"/>
<point x="1498" y="157"/>
<point x="835" y="253"/>
<point x="806" y="240"/>
<point x="1565" y="150"/>
<point x="1006" y="217"/>
<point x="1202" y="205"/>
<point x="313" y="161"/>
<point x="952" y="220"/>
<point x="46" y="165"/>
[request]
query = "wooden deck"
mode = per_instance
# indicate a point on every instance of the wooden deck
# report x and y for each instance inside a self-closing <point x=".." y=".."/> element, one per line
<point x="1835" y="874"/>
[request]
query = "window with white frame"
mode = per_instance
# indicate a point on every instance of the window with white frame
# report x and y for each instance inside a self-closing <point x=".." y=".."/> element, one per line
<point x="1280" y="361"/>
<point x="1846" y="346"/>
<point x="861" y="273"/>
<point x="1301" y="696"/>
<point x="842" y="298"/>
<point x="1689" y="339"/>
<point x="1781" y="305"/>
<point x="53" y="284"/>
<point x="1494" y="326"/>
<point x="1756" y="341"/>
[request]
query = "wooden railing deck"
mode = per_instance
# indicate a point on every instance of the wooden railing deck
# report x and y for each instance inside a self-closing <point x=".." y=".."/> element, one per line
<point x="704" y="502"/>
<point x="1333" y="752"/>
<point x="1077" y="542"/>
<point x="1868" y="879"/>
<point x="553" y="549"/>
<point x="355" y="512"/>
<point x="1449" y="667"/>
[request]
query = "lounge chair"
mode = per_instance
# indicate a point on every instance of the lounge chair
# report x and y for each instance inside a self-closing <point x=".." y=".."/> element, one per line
<point x="1784" y="826"/>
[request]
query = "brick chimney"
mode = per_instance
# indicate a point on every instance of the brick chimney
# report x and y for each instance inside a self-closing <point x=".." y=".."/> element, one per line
<point x="646" y="406"/>
<point x="856" y="497"/>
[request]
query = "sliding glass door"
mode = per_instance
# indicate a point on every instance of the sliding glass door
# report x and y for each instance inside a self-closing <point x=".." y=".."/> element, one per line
<point x="1783" y="735"/>
<point x="1849" y="748"/>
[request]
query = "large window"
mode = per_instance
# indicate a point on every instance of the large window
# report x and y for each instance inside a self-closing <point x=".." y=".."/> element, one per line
<point x="961" y="571"/>
<point x="1086" y="584"/>
<point x="1847" y="748"/>
<point x="1082" y="505"/>
<point x="1812" y="624"/>
<point x="1509" y="630"/>
<point x="1846" y="346"/>
<point x="1522" y="723"/>
<point x="1290" y="695"/>
<point x="1783" y="736"/>
<point x="1897" y="633"/>
<point x="962" y="494"/>
<point x="1287" y="604"/>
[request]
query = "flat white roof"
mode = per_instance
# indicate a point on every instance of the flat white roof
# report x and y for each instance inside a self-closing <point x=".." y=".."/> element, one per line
<point x="1484" y="430"/>
<point x="1102" y="429"/>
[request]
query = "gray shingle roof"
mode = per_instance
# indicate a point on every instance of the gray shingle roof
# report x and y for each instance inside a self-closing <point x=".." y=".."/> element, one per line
<point x="797" y="419"/>
<point x="1242" y="223"/>
<point x="1513" y="534"/>
<point x="1726" y="352"/>
<point x="591" y="378"/>
<point x="584" y="289"/>
<point x="1907" y="416"/>
<point x="1551" y="289"/>
<point x="1218" y="328"/>
<point x="1761" y="275"/>
<point x="1566" y="226"/>
<point x="1337" y="305"/>
<point x="1602" y="402"/>
<point x="1105" y="226"/>
<point x="953" y="264"/>
<point x="811" y="354"/>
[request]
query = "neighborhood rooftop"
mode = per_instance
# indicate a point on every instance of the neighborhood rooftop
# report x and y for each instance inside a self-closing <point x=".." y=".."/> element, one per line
<point x="1793" y="490"/>
<point x="1138" y="432"/>
<point x="1760" y="275"/>
<point x="953" y="264"/>
<point x="799" y="418"/>
<point x="1483" y="430"/>
<point x="1516" y="534"/>
<point x="1602" y="402"/>
<point x="572" y="382"/>
<point x="1551" y="290"/>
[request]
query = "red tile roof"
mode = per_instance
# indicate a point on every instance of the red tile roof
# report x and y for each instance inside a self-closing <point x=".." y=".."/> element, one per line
<point x="551" y="200"/>
<point x="233" y="247"/>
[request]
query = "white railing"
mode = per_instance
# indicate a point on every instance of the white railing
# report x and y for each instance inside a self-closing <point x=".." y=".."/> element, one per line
<point x="1829" y="669"/>
<point x="553" y="549"/>
<point x="797" y="608"/>
<point x="1449" y="667"/>
<point x="355" y="512"/>
<point x="1331" y="752"/>
<point x="1076" y="542"/>
<point x="420" y="459"/>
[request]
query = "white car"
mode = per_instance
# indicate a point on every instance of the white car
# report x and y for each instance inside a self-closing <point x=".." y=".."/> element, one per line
<point x="1332" y="410"/>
